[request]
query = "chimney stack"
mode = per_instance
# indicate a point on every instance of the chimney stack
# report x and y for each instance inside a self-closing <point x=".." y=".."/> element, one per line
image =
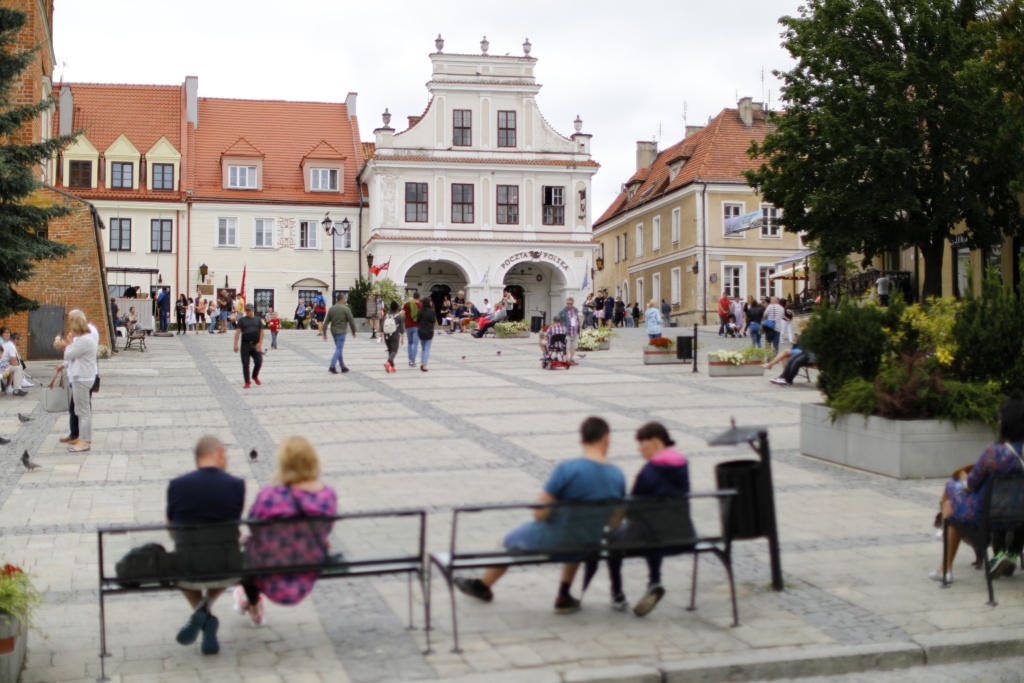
<point x="67" y="111"/>
<point x="747" y="107"/>
<point x="690" y="130"/>
<point x="413" y="120"/>
<point x="646" y="153"/>
<point x="192" y="100"/>
<point x="350" y="104"/>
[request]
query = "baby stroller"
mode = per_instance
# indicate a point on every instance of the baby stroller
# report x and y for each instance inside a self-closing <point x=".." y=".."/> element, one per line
<point x="555" y="356"/>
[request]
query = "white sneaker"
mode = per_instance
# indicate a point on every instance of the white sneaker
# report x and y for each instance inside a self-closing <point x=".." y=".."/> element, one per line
<point x="937" y="576"/>
<point x="241" y="605"/>
<point x="25" y="384"/>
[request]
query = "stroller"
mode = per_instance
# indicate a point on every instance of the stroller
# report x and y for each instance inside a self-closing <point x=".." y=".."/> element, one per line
<point x="555" y="356"/>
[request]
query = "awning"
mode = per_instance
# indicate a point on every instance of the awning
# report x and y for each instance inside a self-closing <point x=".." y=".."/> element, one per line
<point x="799" y="256"/>
<point x="794" y="273"/>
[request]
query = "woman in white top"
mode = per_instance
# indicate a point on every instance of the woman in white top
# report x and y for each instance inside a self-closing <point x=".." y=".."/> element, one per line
<point x="80" y="364"/>
<point x="190" y="315"/>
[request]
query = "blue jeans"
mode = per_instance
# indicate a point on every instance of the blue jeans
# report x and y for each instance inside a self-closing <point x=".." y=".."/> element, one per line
<point x="425" y="355"/>
<point x="165" y="315"/>
<point x="414" y="341"/>
<point x="755" y="334"/>
<point x="339" y="344"/>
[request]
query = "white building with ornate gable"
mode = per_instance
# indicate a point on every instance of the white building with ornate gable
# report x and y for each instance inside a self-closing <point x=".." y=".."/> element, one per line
<point x="480" y="193"/>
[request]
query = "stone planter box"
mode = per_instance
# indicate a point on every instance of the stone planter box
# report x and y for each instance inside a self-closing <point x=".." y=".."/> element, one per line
<point x="661" y="358"/>
<point x="902" y="449"/>
<point x="524" y="334"/>
<point x="604" y="346"/>
<point x="13" y="642"/>
<point x="720" y="369"/>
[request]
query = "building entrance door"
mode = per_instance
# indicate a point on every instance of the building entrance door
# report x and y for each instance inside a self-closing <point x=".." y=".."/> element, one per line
<point x="518" y="311"/>
<point x="437" y="296"/>
<point x="45" y="323"/>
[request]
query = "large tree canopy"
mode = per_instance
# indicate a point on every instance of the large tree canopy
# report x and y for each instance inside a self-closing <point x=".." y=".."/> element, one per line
<point x="896" y="130"/>
<point x="23" y="226"/>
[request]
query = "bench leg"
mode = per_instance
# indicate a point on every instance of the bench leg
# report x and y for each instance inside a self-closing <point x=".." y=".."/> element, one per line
<point x="412" y="625"/>
<point x="988" y="578"/>
<point x="693" y="585"/>
<point x="726" y="558"/>
<point x="450" y="578"/>
<point x="425" y="586"/>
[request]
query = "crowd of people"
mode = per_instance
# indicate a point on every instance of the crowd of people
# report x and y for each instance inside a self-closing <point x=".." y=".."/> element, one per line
<point x="601" y="309"/>
<point x="770" y="319"/>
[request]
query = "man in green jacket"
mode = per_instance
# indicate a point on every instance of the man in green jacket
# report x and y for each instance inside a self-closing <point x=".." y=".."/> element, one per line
<point x="337" y="318"/>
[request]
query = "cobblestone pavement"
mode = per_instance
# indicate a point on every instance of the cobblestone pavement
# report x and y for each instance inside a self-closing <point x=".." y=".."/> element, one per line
<point x="1008" y="670"/>
<point x="485" y="424"/>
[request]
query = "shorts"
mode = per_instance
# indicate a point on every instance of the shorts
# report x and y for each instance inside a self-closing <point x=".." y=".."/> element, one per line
<point x="526" y="537"/>
<point x="571" y="343"/>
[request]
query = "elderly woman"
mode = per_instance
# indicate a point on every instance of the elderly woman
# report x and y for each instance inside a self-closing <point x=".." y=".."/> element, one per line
<point x="964" y="495"/>
<point x="652" y="318"/>
<point x="80" y="364"/>
<point x="298" y="494"/>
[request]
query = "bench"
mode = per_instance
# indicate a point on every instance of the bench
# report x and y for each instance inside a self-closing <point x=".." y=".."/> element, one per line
<point x="665" y="526"/>
<point x="1002" y="509"/>
<point x="807" y="370"/>
<point x="136" y="337"/>
<point x="211" y="552"/>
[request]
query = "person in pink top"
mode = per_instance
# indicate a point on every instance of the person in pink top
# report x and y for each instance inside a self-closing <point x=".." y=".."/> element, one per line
<point x="298" y="495"/>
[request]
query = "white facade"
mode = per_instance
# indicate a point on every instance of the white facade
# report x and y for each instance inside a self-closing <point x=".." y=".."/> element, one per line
<point x="481" y="193"/>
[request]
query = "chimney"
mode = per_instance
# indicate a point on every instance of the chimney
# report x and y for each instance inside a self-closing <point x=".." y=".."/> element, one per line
<point x="646" y="153"/>
<point x="746" y="107"/>
<point x="67" y="111"/>
<point x="413" y="120"/>
<point x="690" y="130"/>
<point x="350" y="104"/>
<point x="192" y="100"/>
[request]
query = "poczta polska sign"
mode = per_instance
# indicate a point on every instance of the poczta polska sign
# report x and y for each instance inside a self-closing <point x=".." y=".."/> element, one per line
<point x="547" y="256"/>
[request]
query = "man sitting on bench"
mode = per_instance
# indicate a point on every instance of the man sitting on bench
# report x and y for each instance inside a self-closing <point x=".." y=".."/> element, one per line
<point x="486" y="323"/>
<point x="589" y="478"/>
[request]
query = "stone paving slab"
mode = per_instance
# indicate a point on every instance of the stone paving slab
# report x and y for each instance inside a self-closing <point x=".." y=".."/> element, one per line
<point x="481" y="426"/>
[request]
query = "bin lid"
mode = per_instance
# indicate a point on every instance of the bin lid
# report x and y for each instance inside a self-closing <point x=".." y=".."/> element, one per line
<point x="735" y="435"/>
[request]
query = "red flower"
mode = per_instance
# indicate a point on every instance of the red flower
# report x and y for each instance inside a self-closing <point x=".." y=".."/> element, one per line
<point x="661" y="343"/>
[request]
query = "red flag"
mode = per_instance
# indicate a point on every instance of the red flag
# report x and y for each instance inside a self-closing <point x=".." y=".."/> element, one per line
<point x="377" y="270"/>
<point x="243" y="284"/>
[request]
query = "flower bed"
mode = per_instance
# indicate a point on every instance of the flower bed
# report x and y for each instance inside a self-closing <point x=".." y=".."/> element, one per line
<point x="661" y="351"/>
<point x="596" y="340"/>
<point x="743" y="363"/>
<point x="511" y="330"/>
<point x="17" y="598"/>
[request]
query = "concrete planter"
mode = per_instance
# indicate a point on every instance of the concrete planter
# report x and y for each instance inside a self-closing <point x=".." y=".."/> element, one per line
<point x="523" y="334"/>
<point x="604" y="346"/>
<point x="13" y="642"/>
<point x="661" y="357"/>
<point x="720" y="369"/>
<point x="902" y="449"/>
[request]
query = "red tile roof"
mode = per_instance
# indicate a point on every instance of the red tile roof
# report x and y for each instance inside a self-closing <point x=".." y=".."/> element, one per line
<point x="368" y="150"/>
<point x="716" y="153"/>
<point x="283" y="133"/>
<point x="324" y="151"/>
<point x="242" y="148"/>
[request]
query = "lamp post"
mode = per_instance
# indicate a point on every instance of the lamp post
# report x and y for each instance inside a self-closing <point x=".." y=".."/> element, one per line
<point x="203" y="270"/>
<point x="333" y="231"/>
<point x="369" y="264"/>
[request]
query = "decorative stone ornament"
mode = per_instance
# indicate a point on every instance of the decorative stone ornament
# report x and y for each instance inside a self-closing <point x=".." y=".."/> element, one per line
<point x="527" y="47"/>
<point x="578" y="123"/>
<point x="386" y="117"/>
<point x="484" y="45"/>
<point x="439" y="43"/>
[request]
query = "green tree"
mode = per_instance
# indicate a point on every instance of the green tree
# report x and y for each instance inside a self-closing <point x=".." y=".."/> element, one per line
<point x="896" y="129"/>
<point x="23" y="225"/>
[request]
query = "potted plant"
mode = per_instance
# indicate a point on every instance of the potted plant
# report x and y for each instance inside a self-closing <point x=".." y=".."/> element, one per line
<point x="660" y="351"/>
<point x="596" y="340"/>
<point x="18" y="597"/>
<point x="507" y="329"/>
<point x="746" y="362"/>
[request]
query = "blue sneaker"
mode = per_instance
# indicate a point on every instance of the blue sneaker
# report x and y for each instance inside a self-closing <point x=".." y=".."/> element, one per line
<point x="190" y="631"/>
<point x="210" y="646"/>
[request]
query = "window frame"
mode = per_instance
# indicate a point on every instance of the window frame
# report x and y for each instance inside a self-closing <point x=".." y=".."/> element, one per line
<point x="417" y="204"/>
<point x="163" y="223"/>
<point x="656" y="233"/>
<point x="230" y="225"/>
<point x="656" y="287"/>
<point x="462" y="127"/>
<point x="235" y="175"/>
<point x="771" y="228"/>
<point x="165" y="171"/>
<point x="765" y="287"/>
<point x="509" y="206"/>
<point x="509" y="131"/>
<point x="84" y="167"/>
<point x="675" y="288"/>
<point x="677" y="219"/>
<point x="557" y="213"/>
<point x="462" y="220"/>
<point x="625" y="246"/>
<point x="639" y="284"/>
<point x="343" y="238"/>
<point x="311" y="228"/>
<point x="119" y="230"/>
<point x="257" y="223"/>
<point x="741" y="284"/>
<point x="316" y="176"/>
<point x="117" y="169"/>
<point x="738" y="206"/>
<point x="639" y="231"/>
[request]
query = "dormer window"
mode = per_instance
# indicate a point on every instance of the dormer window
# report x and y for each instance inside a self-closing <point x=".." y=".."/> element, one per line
<point x="632" y="188"/>
<point x="242" y="177"/>
<point x="121" y="175"/>
<point x="324" y="180"/>
<point x="80" y="174"/>
<point x="163" y="176"/>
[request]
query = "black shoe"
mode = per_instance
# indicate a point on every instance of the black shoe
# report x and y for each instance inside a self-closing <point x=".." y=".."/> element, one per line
<point x="650" y="600"/>
<point x="344" y="369"/>
<point x="566" y="604"/>
<point x="333" y="371"/>
<point x="20" y="392"/>
<point x="190" y="631"/>
<point x="209" y="645"/>
<point x="474" y="588"/>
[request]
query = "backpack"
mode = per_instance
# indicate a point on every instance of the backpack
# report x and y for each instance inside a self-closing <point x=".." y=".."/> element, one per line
<point x="390" y="325"/>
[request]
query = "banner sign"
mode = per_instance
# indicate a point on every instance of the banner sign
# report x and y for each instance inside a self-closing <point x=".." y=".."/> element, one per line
<point x="747" y="221"/>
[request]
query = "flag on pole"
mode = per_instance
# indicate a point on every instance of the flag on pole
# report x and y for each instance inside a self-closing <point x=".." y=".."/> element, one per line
<point x="586" y="277"/>
<point x="483" y="280"/>
<point x="377" y="270"/>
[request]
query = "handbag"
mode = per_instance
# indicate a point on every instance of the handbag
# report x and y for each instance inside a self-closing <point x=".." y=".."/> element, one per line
<point x="146" y="562"/>
<point x="329" y="557"/>
<point x="57" y="398"/>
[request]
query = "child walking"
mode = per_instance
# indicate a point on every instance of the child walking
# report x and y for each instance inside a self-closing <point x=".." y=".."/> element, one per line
<point x="393" y="330"/>
<point x="274" y="323"/>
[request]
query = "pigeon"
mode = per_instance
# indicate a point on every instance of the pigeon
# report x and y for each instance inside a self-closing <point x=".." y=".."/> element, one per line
<point x="29" y="465"/>
<point x="253" y="454"/>
<point x="3" y="441"/>
<point x="24" y="418"/>
<point x="463" y="358"/>
<point x="499" y="353"/>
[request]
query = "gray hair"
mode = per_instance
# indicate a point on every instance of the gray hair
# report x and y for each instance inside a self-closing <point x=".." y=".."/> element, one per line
<point x="207" y="445"/>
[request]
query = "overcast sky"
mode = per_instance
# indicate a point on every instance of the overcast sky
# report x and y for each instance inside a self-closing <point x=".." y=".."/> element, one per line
<point x="626" y="69"/>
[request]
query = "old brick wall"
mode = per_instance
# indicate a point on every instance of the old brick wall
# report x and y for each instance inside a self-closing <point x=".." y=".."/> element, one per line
<point x="31" y="87"/>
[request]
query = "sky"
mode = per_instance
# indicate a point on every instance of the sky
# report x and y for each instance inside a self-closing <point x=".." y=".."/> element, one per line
<point x="629" y="71"/>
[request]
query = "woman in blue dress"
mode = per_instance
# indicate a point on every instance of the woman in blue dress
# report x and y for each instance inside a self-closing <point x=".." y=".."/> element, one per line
<point x="964" y="496"/>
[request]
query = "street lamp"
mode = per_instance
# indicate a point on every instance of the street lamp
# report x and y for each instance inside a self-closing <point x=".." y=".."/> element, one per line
<point x="203" y="270"/>
<point x="333" y="231"/>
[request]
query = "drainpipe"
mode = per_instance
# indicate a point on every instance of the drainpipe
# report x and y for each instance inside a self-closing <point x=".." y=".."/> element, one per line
<point x="188" y="222"/>
<point x="359" y="223"/>
<point x="704" y="258"/>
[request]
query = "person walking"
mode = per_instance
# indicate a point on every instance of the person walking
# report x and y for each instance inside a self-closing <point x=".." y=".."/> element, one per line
<point x="337" y="319"/>
<point x="180" y="310"/>
<point x="787" y="321"/>
<point x="425" y="331"/>
<point x="570" y="319"/>
<point x="635" y="313"/>
<point x="201" y="307"/>
<point x="723" y="314"/>
<point x="652" y="318"/>
<point x="190" y="315"/>
<point x="771" y="324"/>
<point x="393" y="329"/>
<point x="249" y="332"/>
<point x="666" y="311"/>
<point x="755" y="312"/>
<point x="274" y="323"/>
<point x="411" y="311"/>
<point x="300" y="316"/>
<point x="588" y="311"/>
<point x="163" y="305"/>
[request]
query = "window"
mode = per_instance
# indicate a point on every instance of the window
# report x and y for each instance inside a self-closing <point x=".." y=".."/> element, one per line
<point x="770" y="226"/>
<point x="163" y="176"/>
<point x="731" y="211"/>
<point x="675" y="226"/>
<point x="640" y="293"/>
<point x="160" y="235"/>
<point x="676" y="286"/>
<point x="308" y="295"/>
<point x="324" y="180"/>
<point x="656" y="286"/>
<point x="120" y="234"/>
<point x="463" y="129"/>
<point x="263" y="301"/>
<point x="617" y="248"/>
<point x="764" y="281"/>
<point x="343" y="240"/>
<point x="80" y="174"/>
<point x="554" y="206"/>
<point x="639" y="239"/>
<point x="309" y="235"/>
<point x="506" y="129"/>
<point x="462" y="203"/>
<point x="732" y="279"/>
<point x="121" y="175"/>
<point x="656" y="233"/>
<point x="263" y="233"/>
<point x="416" y="202"/>
<point x="227" y="232"/>
<point x="508" y="204"/>
<point x="625" y="246"/>
<point x="242" y="177"/>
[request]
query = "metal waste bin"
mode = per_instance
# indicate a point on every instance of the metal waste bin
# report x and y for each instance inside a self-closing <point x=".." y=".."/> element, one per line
<point x="684" y="347"/>
<point x="536" y="324"/>
<point x="745" y="512"/>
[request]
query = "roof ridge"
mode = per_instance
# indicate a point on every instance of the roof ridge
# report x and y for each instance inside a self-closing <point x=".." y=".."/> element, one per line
<point x="710" y="147"/>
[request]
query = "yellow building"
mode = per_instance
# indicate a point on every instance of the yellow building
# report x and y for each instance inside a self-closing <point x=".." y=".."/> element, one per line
<point x="666" y="237"/>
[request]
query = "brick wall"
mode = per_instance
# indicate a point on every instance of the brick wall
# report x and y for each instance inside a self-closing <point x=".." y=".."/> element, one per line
<point x="30" y="87"/>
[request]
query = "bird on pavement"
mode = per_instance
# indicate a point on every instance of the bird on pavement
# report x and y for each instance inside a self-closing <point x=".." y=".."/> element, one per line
<point x="463" y="358"/>
<point x="24" y="418"/>
<point x="499" y="353"/>
<point x="29" y="465"/>
<point x="253" y="454"/>
<point x="3" y="441"/>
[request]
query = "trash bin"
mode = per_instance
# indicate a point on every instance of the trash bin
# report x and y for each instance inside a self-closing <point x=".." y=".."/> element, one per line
<point x="684" y="348"/>
<point x="744" y="476"/>
<point x="536" y="324"/>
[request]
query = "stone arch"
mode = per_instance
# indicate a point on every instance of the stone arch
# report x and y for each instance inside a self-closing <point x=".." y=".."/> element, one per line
<point x="457" y="258"/>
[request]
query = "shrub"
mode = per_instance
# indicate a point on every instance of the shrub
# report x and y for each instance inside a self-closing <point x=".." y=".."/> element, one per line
<point x="357" y="297"/>
<point x="989" y="334"/>
<point x="848" y="343"/>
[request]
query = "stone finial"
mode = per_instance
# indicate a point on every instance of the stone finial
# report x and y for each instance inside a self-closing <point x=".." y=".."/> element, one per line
<point x="527" y="47"/>
<point x="439" y="43"/>
<point x="578" y="123"/>
<point x="386" y="117"/>
<point x="484" y="45"/>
